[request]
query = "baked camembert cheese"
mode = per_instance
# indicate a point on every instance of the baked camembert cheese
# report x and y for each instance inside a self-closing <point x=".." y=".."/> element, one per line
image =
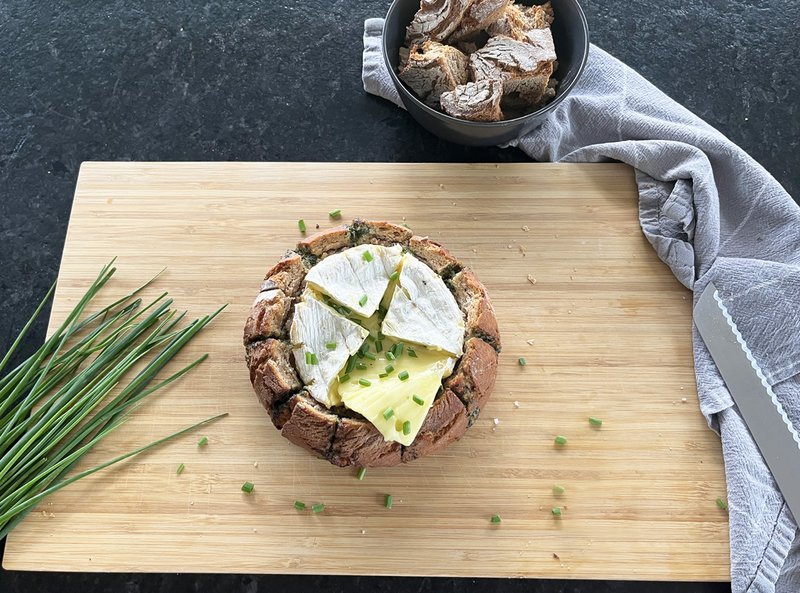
<point x="376" y="330"/>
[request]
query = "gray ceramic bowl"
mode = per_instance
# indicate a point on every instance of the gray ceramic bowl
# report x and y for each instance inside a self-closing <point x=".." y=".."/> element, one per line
<point x="571" y="37"/>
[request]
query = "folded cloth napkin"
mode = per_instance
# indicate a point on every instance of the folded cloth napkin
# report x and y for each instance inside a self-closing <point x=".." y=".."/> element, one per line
<point x="711" y="213"/>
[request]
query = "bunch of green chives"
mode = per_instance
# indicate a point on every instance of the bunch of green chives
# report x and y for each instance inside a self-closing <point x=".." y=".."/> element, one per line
<point x="78" y="387"/>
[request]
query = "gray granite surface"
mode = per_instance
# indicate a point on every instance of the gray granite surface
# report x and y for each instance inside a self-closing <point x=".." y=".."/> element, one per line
<point x="280" y="80"/>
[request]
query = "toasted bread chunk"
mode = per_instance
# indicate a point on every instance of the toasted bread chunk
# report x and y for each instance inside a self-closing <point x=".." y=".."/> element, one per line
<point x="474" y="376"/>
<point x="479" y="16"/>
<point x="433" y="69"/>
<point x="358" y="443"/>
<point x="475" y="101"/>
<point x="436" y="20"/>
<point x="310" y="426"/>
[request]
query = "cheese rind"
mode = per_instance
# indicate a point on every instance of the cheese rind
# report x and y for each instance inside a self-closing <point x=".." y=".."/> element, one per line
<point x="314" y="325"/>
<point x="423" y="310"/>
<point x="348" y="277"/>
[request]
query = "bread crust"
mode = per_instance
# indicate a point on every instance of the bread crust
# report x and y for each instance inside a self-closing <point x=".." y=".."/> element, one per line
<point x="346" y="438"/>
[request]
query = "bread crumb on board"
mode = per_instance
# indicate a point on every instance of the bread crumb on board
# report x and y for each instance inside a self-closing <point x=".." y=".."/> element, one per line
<point x="255" y="464"/>
<point x="531" y="279"/>
<point x="526" y="228"/>
<point x="516" y="403"/>
<point x="496" y="421"/>
<point x="523" y="250"/>
<point x="529" y="342"/>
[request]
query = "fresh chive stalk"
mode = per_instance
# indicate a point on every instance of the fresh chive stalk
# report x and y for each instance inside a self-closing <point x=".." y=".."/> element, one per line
<point x="79" y="387"/>
<point x="180" y="469"/>
<point x="202" y="442"/>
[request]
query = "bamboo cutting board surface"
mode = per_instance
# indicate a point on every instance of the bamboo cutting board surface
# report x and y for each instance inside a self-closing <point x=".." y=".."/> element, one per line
<point x="609" y="331"/>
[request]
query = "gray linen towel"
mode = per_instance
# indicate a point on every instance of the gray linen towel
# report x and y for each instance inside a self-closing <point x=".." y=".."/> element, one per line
<point x="711" y="213"/>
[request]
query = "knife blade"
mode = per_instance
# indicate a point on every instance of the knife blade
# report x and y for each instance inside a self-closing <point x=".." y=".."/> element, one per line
<point x="764" y="415"/>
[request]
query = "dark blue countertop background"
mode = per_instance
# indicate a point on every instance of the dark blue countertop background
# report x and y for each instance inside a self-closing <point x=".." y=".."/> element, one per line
<point x="276" y="80"/>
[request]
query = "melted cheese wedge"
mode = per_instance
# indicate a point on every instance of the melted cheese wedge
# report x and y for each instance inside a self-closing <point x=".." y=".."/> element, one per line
<point x="425" y="374"/>
<point x="423" y="310"/>
<point x="354" y="279"/>
<point x="314" y="326"/>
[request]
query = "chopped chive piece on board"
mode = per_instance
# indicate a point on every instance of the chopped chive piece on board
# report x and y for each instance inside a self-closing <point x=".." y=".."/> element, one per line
<point x="558" y="490"/>
<point x="559" y="440"/>
<point x="496" y="519"/>
<point x="202" y="442"/>
<point x="370" y="355"/>
<point x="344" y="378"/>
<point x="407" y="427"/>
<point x="596" y="422"/>
<point x="300" y="506"/>
<point x="361" y="473"/>
<point x="722" y="504"/>
<point x="418" y="400"/>
<point x="331" y="345"/>
<point x="556" y="511"/>
<point x="180" y="469"/>
<point x="388" y="413"/>
<point x="411" y="352"/>
<point x="367" y="256"/>
<point x="522" y="362"/>
<point x="247" y="487"/>
<point x="335" y="213"/>
<point x="389" y="369"/>
<point x="362" y="301"/>
<point x="301" y="224"/>
<point x="402" y="375"/>
<point x="387" y="501"/>
<point x="390" y="355"/>
<point x="318" y="508"/>
<point x="364" y="382"/>
<point x="394" y="275"/>
<point x="361" y="366"/>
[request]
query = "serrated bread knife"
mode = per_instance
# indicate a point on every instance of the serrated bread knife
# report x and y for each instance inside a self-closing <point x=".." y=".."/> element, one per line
<point x="764" y="415"/>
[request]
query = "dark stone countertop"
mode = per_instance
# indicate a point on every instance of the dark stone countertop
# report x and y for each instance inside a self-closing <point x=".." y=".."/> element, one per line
<point x="280" y="80"/>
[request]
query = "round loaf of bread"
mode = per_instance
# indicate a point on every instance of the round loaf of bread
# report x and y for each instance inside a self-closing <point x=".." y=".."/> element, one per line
<point x="338" y="434"/>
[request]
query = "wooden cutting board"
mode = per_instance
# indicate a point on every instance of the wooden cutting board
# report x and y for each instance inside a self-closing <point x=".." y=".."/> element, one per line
<point x="602" y="323"/>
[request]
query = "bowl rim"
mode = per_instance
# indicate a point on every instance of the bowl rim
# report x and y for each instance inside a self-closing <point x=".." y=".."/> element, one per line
<point x="493" y="124"/>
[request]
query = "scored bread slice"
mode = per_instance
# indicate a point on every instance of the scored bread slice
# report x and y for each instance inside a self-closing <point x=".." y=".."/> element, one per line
<point x="478" y="17"/>
<point x="475" y="101"/>
<point x="523" y="67"/>
<point x="341" y="436"/>
<point x="432" y="69"/>
<point x="436" y="20"/>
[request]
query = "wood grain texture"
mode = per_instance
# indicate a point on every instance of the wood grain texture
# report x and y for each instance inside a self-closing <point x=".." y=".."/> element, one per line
<point x="611" y="338"/>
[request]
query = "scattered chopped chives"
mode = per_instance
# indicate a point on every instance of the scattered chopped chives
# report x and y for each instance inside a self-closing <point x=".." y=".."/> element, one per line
<point x="361" y="366"/>
<point x="362" y="301"/>
<point x="411" y="352"/>
<point x="522" y="362"/>
<point x="202" y="442"/>
<point x="344" y="378"/>
<point x="390" y="355"/>
<point x="559" y="440"/>
<point x="378" y="346"/>
<point x="596" y="422"/>
<point x="364" y="382"/>
<point x="387" y="502"/>
<point x="361" y="473"/>
<point x="300" y="506"/>
<point x="722" y="504"/>
<point x="558" y="490"/>
<point x="311" y="358"/>
<point x="318" y="508"/>
<point x="301" y="224"/>
<point x="402" y="375"/>
<point x="371" y="338"/>
<point x="398" y="349"/>
<point x="247" y="487"/>
<point x="394" y="275"/>
<point x="407" y="427"/>
<point x="370" y="355"/>
<point x="496" y="519"/>
<point x="331" y="345"/>
<point x="418" y="400"/>
<point x="380" y="335"/>
<point x="367" y="256"/>
<point x="335" y="213"/>
<point x="364" y="347"/>
<point x="383" y="375"/>
<point x="360" y="353"/>
<point x="556" y="511"/>
<point x="389" y="368"/>
<point x="388" y="413"/>
<point x="180" y="469"/>
<point x="351" y="364"/>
